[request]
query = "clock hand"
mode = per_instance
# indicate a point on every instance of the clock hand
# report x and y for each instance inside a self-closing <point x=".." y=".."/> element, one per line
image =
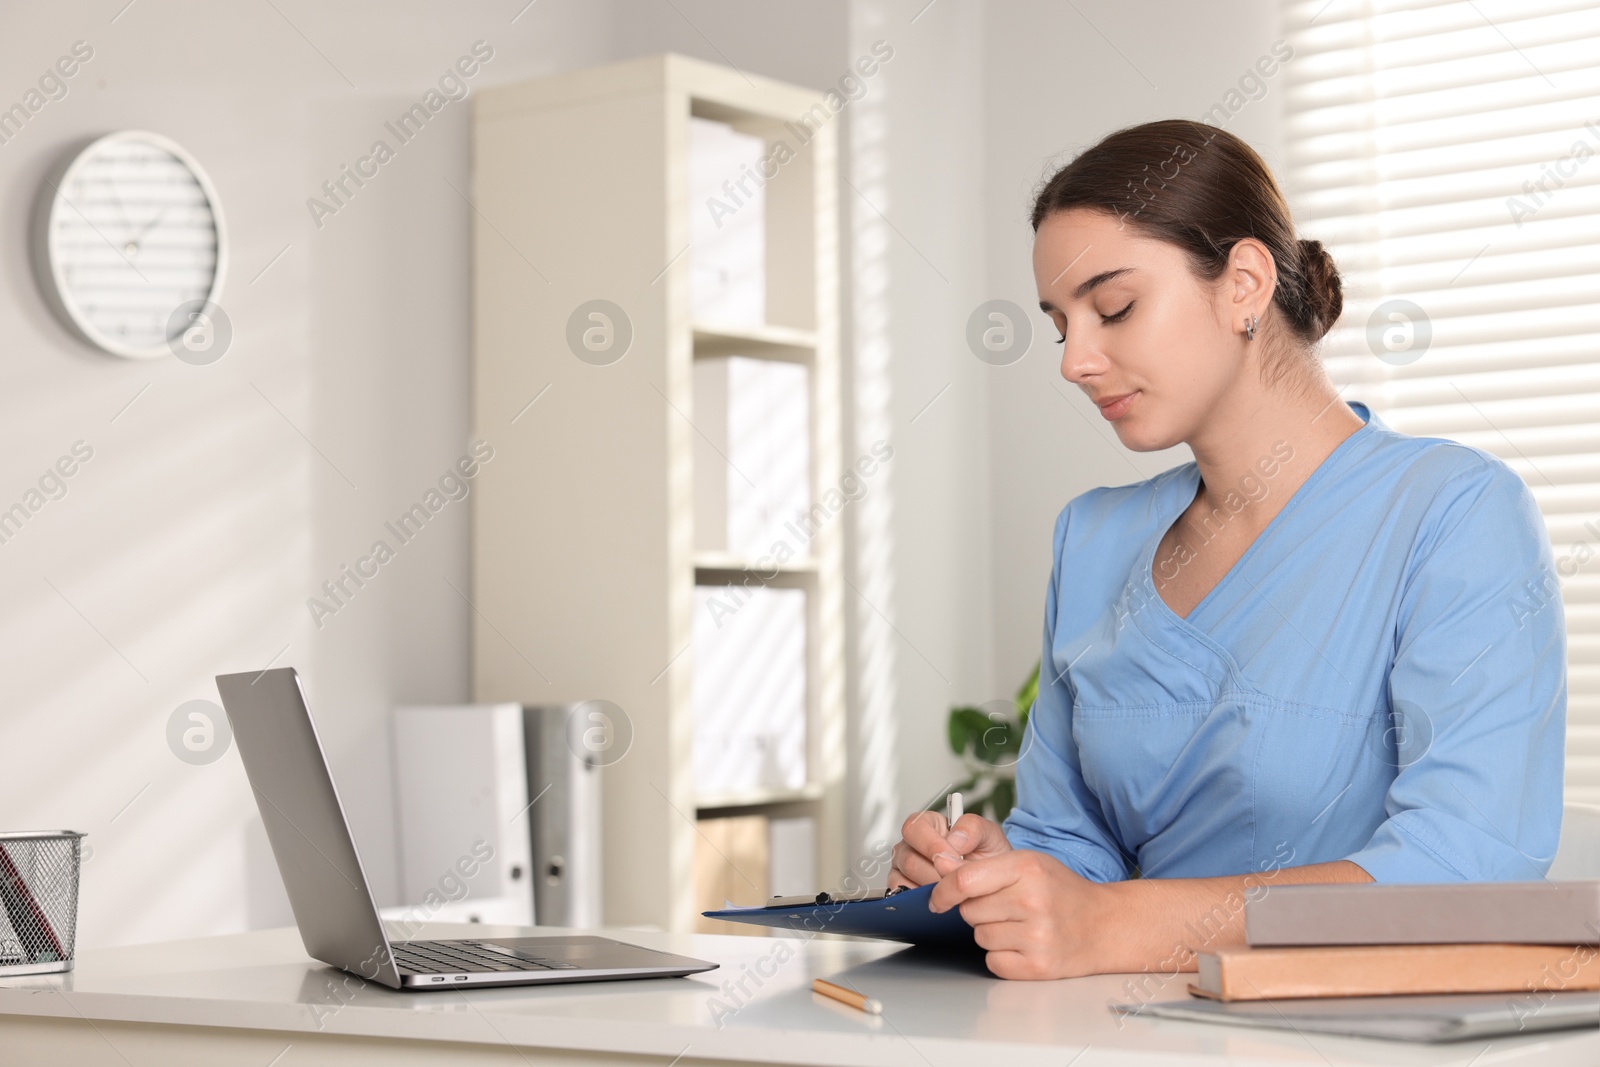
<point x="140" y="235"/>
<point x="122" y="213"/>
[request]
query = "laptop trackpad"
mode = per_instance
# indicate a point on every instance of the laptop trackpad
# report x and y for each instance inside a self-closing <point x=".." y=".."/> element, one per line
<point x="582" y="951"/>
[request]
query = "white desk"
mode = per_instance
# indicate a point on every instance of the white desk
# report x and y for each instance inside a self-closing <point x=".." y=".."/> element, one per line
<point x="255" y="999"/>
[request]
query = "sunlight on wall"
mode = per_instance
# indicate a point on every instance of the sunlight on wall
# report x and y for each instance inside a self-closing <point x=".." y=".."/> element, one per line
<point x="877" y="768"/>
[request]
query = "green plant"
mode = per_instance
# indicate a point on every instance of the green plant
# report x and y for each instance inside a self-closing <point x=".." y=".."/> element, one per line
<point x="989" y="741"/>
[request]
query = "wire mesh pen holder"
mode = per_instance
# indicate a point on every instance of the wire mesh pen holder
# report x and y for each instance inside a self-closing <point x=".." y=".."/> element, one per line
<point x="39" y="891"/>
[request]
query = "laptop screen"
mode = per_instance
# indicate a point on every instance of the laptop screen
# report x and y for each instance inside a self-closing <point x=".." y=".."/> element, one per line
<point x="305" y="823"/>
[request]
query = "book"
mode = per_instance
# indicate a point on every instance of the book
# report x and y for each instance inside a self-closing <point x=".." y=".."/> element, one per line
<point x="1551" y="913"/>
<point x="1241" y="973"/>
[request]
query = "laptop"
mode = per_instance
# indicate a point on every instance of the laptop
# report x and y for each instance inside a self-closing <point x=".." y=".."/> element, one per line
<point x="328" y="890"/>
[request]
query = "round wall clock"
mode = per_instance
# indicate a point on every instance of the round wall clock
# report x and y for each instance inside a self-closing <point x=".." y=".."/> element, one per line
<point x="130" y="230"/>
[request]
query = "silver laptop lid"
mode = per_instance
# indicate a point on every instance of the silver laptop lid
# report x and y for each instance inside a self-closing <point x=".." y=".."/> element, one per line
<point x="305" y="823"/>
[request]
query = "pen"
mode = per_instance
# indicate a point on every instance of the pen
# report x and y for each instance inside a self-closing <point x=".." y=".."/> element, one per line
<point x="859" y="1001"/>
<point x="952" y="810"/>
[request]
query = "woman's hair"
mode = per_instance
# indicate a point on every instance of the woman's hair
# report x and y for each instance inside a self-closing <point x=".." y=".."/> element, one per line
<point x="1202" y="189"/>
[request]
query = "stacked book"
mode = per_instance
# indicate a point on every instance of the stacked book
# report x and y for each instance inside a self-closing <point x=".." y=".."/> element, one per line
<point x="1528" y="938"/>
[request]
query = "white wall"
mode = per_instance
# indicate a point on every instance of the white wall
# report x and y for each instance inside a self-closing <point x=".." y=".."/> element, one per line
<point x="188" y="545"/>
<point x="915" y="248"/>
<point x="220" y="499"/>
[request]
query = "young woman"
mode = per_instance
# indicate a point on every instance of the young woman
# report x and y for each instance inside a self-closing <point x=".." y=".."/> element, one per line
<point x="1323" y="651"/>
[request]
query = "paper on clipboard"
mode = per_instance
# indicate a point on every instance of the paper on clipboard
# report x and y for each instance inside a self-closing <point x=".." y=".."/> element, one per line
<point x="901" y="917"/>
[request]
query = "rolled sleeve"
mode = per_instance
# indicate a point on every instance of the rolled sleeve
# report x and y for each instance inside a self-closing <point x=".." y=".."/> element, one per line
<point x="1056" y="813"/>
<point x="1478" y="694"/>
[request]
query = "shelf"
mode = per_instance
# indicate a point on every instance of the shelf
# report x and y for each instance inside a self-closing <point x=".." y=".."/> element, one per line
<point x="727" y="562"/>
<point x="759" y="798"/>
<point x="546" y="154"/>
<point x="784" y="343"/>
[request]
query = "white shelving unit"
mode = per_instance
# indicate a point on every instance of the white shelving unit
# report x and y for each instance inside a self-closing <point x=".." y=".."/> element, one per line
<point x="584" y="566"/>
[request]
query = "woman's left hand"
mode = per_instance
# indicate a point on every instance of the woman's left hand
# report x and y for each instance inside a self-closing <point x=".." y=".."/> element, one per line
<point x="1034" y="916"/>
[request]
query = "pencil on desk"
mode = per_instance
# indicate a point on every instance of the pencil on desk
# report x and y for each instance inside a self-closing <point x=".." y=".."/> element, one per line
<point x="859" y="1001"/>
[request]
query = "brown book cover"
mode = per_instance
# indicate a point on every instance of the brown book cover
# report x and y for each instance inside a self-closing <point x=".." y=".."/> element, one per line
<point x="1547" y="913"/>
<point x="1241" y="973"/>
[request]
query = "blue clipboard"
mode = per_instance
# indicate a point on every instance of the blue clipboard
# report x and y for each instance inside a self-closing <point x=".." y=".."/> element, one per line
<point x="901" y="917"/>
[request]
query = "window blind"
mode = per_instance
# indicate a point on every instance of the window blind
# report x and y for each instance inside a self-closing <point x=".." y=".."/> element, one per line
<point x="1448" y="154"/>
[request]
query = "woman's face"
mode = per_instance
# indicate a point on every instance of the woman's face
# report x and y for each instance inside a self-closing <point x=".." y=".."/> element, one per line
<point x="1146" y="339"/>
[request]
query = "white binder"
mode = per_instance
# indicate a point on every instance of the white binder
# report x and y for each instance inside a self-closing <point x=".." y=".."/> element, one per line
<point x="461" y="784"/>
<point x="500" y="778"/>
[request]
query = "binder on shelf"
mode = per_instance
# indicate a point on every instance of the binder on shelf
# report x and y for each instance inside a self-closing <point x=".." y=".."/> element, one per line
<point x="749" y="690"/>
<point x="752" y="458"/>
<point x="727" y="224"/>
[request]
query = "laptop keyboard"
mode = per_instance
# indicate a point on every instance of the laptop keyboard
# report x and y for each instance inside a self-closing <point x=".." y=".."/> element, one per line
<point x="454" y="957"/>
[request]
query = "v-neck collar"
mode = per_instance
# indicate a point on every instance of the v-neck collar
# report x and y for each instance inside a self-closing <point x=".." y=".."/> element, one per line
<point x="1183" y="492"/>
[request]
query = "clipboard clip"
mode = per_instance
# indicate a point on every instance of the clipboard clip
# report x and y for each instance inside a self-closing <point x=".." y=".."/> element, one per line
<point x="826" y="897"/>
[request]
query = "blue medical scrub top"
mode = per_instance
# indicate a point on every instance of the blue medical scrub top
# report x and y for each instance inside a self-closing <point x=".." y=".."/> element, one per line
<point x="1380" y="678"/>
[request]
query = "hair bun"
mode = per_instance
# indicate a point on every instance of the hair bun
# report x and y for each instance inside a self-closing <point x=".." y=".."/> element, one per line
<point x="1324" y="290"/>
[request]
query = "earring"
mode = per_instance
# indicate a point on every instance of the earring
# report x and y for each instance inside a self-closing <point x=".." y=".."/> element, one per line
<point x="1250" y="328"/>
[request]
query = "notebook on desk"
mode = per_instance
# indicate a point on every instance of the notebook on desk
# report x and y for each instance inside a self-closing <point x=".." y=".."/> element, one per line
<point x="1402" y="1018"/>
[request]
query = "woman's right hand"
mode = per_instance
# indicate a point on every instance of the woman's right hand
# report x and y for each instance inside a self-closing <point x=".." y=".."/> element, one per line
<point x="929" y="849"/>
